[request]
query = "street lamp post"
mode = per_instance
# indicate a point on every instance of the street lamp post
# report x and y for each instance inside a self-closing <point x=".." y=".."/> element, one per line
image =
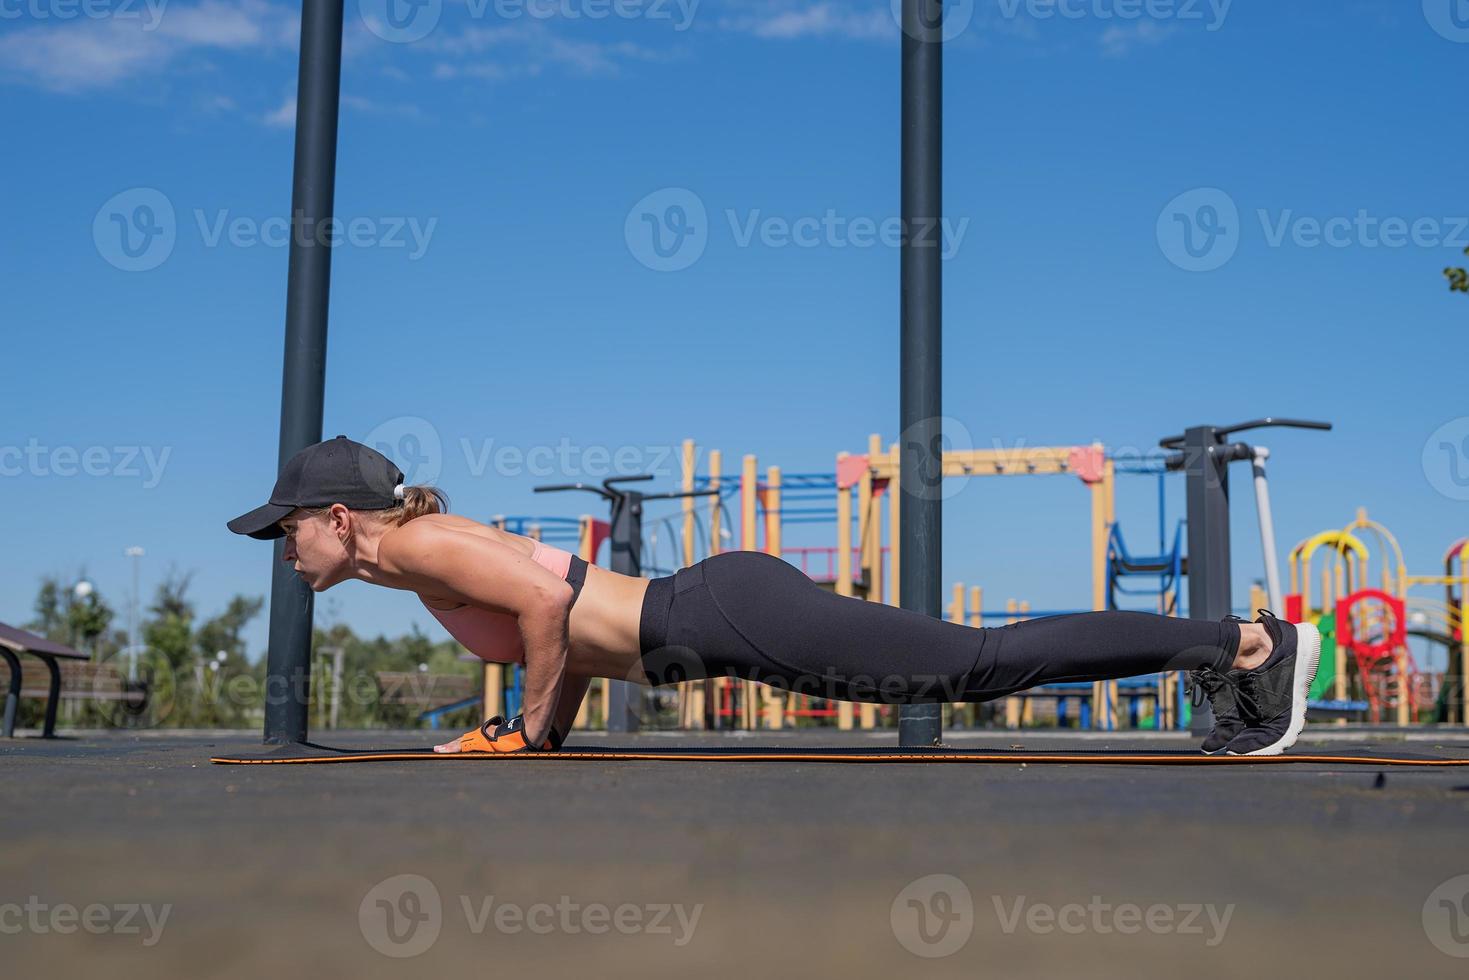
<point x="134" y="553"/>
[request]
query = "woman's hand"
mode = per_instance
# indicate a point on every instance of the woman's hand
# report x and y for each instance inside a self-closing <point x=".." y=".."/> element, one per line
<point x="499" y="735"/>
<point x="452" y="746"/>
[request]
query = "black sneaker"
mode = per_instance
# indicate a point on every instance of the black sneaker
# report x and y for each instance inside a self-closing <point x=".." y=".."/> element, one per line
<point x="1220" y="690"/>
<point x="1272" y="697"/>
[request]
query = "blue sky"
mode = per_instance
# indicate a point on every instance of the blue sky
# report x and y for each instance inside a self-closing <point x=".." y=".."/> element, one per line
<point x="501" y="288"/>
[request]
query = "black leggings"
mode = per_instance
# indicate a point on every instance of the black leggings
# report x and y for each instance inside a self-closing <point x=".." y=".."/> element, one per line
<point x="746" y="614"/>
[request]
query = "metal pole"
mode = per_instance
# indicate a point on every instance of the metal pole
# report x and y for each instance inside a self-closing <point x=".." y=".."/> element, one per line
<point x="1207" y="468"/>
<point x="1267" y="529"/>
<point x="134" y="553"/>
<point x="303" y="379"/>
<point x="336" y="687"/>
<point x="921" y="317"/>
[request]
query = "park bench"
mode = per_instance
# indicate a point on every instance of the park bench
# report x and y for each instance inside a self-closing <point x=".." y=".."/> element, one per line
<point x="425" y="691"/>
<point x="15" y="642"/>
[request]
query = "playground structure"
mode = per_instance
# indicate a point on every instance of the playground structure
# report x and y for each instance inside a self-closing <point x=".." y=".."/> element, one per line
<point x="1367" y="618"/>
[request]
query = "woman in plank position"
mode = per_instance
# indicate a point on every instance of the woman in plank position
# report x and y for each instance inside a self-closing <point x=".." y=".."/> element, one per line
<point x="345" y="514"/>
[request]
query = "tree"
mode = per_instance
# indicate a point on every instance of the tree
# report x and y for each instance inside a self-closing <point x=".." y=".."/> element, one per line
<point x="1458" y="278"/>
<point x="169" y="633"/>
<point x="79" y="621"/>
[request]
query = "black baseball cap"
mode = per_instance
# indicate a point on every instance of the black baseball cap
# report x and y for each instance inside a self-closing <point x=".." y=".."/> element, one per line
<point x="337" y="471"/>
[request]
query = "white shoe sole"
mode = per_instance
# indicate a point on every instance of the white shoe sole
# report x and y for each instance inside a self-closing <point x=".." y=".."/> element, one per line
<point x="1308" y="659"/>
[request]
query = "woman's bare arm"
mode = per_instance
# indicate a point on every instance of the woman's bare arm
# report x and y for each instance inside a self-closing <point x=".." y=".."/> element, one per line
<point x="429" y="558"/>
<point x="573" y="691"/>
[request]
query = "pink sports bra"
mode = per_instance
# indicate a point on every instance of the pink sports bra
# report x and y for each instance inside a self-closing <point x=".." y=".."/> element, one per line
<point x="495" y="636"/>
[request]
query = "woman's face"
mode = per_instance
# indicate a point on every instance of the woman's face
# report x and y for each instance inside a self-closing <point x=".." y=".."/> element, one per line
<point x="314" y="547"/>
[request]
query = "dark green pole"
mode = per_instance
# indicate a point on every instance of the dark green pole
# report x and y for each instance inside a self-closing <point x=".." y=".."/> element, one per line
<point x="308" y="288"/>
<point x="921" y="303"/>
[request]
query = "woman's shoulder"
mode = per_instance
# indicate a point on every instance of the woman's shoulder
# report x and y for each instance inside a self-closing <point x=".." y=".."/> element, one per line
<point x="435" y="525"/>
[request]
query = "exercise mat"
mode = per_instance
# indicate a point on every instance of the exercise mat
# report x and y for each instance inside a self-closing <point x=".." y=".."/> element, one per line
<point x="311" y="753"/>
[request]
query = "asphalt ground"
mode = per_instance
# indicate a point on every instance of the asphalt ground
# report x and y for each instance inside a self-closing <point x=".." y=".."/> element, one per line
<point x="130" y="855"/>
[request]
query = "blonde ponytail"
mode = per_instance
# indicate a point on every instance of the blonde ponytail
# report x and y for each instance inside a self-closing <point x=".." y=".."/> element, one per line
<point x="418" y="501"/>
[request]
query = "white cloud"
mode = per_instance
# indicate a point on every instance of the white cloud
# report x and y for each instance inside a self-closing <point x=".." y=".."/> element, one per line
<point x="283" y="116"/>
<point x="527" y="49"/>
<point x="94" y="53"/>
<point x="1119" y="41"/>
<point x="823" y="19"/>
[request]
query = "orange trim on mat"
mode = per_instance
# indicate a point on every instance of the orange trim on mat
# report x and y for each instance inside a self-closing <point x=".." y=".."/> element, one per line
<point x="1016" y="758"/>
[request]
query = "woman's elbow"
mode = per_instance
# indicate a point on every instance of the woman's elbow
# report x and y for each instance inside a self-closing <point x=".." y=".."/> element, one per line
<point x="554" y="601"/>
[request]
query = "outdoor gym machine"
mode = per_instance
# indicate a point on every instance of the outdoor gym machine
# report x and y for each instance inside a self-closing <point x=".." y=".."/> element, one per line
<point x="1205" y="452"/>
